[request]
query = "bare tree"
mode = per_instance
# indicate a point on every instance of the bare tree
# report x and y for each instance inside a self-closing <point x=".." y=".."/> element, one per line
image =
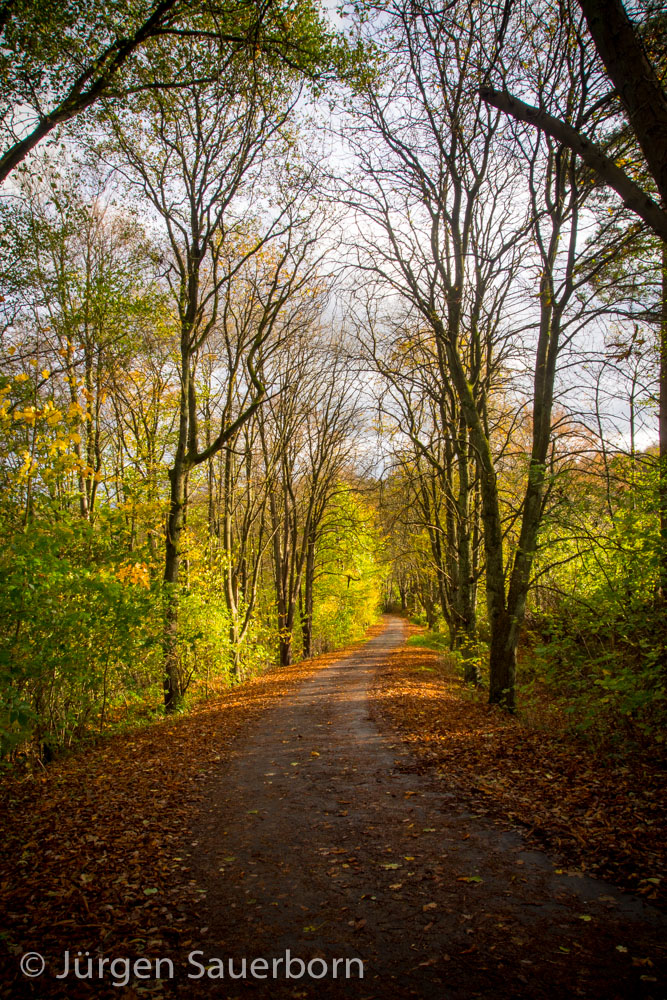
<point x="243" y="494"/>
<point x="635" y="82"/>
<point x="192" y="154"/>
<point x="635" y="96"/>
<point x="434" y="456"/>
<point x="307" y="435"/>
<point x="438" y="189"/>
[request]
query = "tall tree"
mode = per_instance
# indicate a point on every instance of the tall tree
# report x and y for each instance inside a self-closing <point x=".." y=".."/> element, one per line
<point x="444" y="205"/>
<point x="636" y="71"/>
<point x="438" y="468"/>
<point x="307" y="433"/>
<point x="439" y="189"/>
<point x="58" y="59"/>
<point x="192" y="153"/>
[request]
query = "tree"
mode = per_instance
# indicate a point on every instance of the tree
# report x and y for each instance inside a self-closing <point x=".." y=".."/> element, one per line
<point x="451" y="242"/>
<point x="332" y="429"/>
<point x="60" y="58"/>
<point x="307" y="433"/>
<point x="438" y="187"/>
<point x="643" y="99"/>
<point x="437" y="467"/>
<point x="192" y="154"/>
<point x="80" y="281"/>
<point x="244" y="492"/>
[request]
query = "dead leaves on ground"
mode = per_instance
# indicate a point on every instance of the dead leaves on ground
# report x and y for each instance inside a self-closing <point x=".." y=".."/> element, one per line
<point x="95" y="849"/>
<point x="606" y="816"/>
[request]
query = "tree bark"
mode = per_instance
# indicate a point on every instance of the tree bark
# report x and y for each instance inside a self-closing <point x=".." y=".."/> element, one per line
<point x="308" y="602"/>
<point x="173" y="689"/>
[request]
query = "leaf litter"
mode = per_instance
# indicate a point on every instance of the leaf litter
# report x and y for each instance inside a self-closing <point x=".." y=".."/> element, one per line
<point x="96" y="846"/>
<point x="604" y="816"/>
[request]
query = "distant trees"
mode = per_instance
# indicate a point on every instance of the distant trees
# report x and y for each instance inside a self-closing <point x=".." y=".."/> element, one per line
<point x="307" y="434"/>
<point x="144" y="342"/>
<point x="436" y="469"/>
<point x="140" y="356"/>
<point x="479" y="229"/>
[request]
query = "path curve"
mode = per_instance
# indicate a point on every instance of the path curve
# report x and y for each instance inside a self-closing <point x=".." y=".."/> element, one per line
<point x="319" y="836"/>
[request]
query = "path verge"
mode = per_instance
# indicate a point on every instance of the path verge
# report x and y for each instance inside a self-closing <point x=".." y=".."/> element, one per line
<point x="602" y="815"/>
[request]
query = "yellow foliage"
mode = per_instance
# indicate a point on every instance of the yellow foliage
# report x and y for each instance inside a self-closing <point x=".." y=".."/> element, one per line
<point x="27" y="467"/>
<point x="59" y="446"/>
<point x="136" y="573"/>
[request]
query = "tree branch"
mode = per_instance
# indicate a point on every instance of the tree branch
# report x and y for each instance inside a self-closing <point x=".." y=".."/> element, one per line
<point x="634" y="197"/>
<point x="635" y="79"/>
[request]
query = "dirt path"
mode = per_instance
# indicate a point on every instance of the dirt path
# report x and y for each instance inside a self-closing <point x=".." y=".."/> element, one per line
<point x="318" y="837"/>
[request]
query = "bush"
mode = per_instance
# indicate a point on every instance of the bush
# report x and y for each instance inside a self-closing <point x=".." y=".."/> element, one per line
<point x="74" y="640"/>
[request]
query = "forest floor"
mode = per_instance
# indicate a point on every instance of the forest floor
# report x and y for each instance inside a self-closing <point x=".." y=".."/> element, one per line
<point x="334" y="810"/>
<point x="597" y="802"/>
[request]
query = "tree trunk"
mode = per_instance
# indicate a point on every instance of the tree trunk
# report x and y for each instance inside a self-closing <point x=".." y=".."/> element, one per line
<point x="235" y="643"/>
<point x="429" y="607"/>
<point x="173" y="682"/>
<point x="662" y="432"/>
<point x="173" y="691"/>
<point x="502" y="662"/>
<point x="230" y="587"/>
<point x="285" y="625"/>
<point x="470" y="661"/>
<point x="635" y="79"/>
<point x="464" y="598"/>
<point x="309" y="583"/>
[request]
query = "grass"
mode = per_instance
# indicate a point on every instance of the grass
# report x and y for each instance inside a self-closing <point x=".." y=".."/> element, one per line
<point x="430" y="640"/>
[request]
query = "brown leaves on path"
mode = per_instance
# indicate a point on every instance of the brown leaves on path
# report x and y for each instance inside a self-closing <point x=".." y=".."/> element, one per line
<point x="602" y="815"/>
<point x="95" y="848"/>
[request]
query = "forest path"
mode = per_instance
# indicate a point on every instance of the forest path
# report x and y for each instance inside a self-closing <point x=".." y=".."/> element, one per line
<point x="318" y="836"/>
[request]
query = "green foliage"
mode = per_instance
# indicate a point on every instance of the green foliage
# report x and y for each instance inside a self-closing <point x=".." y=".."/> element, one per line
<point x="203" y="638"/>
<point x="440" y="643"/>
<point x="600" y="644"/>
<point x="77" y="636"/>
<point x="347" y="587"/>
<point x="430" y="640"/>
<point x="67" y="55"/>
